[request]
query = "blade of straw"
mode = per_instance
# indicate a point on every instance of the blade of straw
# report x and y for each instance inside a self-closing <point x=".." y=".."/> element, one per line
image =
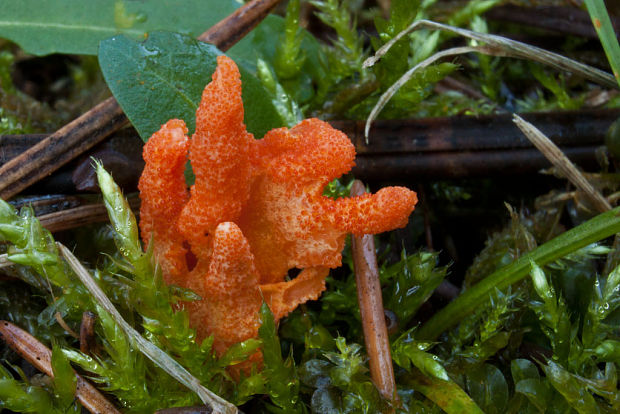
<point x="561" y="162"/>
<point x="493" y="45"/>
<point x="159" y="357"/>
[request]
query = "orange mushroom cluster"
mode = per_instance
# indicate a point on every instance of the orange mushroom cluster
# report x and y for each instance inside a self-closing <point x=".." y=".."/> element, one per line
<point x="256" y="211"/>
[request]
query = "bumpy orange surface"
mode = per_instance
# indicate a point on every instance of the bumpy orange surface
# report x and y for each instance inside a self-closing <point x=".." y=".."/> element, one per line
<point x="255" y="212"/>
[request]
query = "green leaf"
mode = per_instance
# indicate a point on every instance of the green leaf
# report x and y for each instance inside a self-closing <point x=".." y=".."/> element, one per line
<point x="289" y="58"/>
<point x="536" y="391"/>
<point x="446" y="394"/>
<point x="311" y="81"/>
<point x="605" y="31"/>
<point x="25" y="399"/>
<point x="343" y="385"/>
<point x="608" y="350"/>
<point x="406" y="351"/>
<point x="283" y="103"/>
<point x="488" y="387"/>
<point x="239" y="352"/>
<point x="553" y="315"/>
<point x="163" y="78"/>
<point x="413" y="279"/>
<point x="272" y="355"/>
<point x="75" y="26"/>
<point x="575" y="394"/>
<point x="120" y="214"/>
<point x="395" y="62"/>
<point x="523" y="369"/>
<point x="64" y="381"/>
<point x="283" y="384"/>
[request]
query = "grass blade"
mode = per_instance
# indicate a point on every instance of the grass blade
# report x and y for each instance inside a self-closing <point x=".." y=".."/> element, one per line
<point x="605" y="31"/>
<point x="596" y="229"/>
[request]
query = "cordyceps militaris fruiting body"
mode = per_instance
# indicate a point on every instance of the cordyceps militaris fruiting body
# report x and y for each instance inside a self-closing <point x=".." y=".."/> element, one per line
<point x="255" y="211"/>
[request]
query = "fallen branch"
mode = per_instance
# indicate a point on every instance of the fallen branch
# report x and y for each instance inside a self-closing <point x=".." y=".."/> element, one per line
<point x="40" y="356"/>
<point x="446" y="147"/>
<point x="371" y="309"/>
<point x="93" y="126"/>
<point x="227" y="32"/>
<point x="79" y="216"/>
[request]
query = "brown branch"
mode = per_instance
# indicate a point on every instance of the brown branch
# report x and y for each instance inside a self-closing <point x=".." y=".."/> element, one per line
<point x="456" y="164"/>
<point x="40" y="356"/>
<point x="63" y="325"/>
<point x="478" y="133"/>
<point x="74" y="217"/>
<point x="229" y="31"/>
<point x="371" y="309"/>
<point x="460" y="146"/>
<point x="93" y="126"/>
<point x="466" y="146"/>
<point x="79" y="216"/>
<point x="59" y="148"/>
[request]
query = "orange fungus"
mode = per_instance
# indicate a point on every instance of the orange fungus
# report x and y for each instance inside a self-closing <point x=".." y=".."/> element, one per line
<point x="256" y="211"/>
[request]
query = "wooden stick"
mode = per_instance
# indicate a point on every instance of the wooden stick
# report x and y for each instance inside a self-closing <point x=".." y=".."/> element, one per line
<point x="478" y="133"/>
<point x="40" y="356"/>
<point x="80" y="216"/>
<point x="371" y="309"/>
<point x="229" y="31"/>
<point x="62" y="146"/>
<point x="446" y="147"/>
<point x="102" y="120"/>
<point x="454" y="164"/>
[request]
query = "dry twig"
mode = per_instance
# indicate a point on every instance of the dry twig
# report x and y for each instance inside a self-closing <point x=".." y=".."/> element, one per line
<point x="229" y="31"/>
<point x="79" y="216"/>
<point x="371" y="309"/>
<point x="40" y="356"/>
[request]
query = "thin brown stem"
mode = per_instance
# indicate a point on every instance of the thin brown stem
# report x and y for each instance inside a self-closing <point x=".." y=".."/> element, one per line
<point x="40" y="356"/>
<point x="95" y="125"/>
<point x="80" y="216"/>
<point x="63" y="324"/>
<point x="229" y="31"/>
<point x="371" y="309"/>
<point x="61" y="147"/>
